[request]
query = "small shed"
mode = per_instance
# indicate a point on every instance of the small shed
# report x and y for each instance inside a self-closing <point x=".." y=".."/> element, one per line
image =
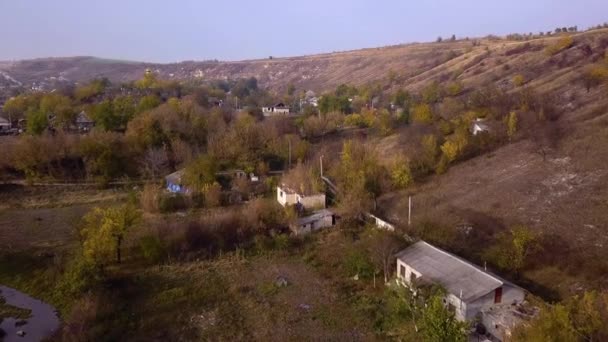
<point x="318" y="220"/>
<point x="286" y="196"/>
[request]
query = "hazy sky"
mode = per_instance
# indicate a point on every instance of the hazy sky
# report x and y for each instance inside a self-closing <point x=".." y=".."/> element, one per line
<point x="169" y="31"/>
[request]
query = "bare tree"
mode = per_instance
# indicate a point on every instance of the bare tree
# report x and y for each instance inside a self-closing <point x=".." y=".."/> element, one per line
<point x="155" y="162"/>
<point x="382" y="250"/>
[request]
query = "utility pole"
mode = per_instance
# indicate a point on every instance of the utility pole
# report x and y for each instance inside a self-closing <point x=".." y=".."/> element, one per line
<point x="409" y="212"/>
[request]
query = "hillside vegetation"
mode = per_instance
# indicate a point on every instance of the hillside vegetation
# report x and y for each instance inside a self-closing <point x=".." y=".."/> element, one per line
<point x="473" y="61"/>
<point x="525" y="195"/>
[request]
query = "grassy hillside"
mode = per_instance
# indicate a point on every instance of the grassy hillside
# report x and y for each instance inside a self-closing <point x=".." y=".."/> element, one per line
<point x="473" y="62"/>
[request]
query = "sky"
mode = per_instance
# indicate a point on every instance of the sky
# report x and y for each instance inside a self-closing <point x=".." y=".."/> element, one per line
<point x="172" y="31"/>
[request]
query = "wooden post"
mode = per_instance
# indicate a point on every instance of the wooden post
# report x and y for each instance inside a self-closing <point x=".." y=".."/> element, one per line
<point x="321" y="161"/>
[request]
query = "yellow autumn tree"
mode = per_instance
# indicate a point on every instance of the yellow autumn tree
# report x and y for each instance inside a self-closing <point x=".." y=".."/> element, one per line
<point x="422" y="113"/>
<point x="104" y="231"/>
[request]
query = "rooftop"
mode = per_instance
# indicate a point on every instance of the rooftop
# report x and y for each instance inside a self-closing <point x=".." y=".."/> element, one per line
<point x="450" y="271"/>
<point x="316" y="216"/>
<point x="175" y="177"/>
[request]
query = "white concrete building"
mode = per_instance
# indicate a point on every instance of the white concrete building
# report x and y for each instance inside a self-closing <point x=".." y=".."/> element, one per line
<point x="287" y="196"/>
<point x="318" y="220"/>
<point x="278" y="109"/>
<point x="470" y="289"/>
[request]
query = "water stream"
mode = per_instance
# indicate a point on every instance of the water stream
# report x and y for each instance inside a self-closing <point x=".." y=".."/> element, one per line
<point x="42" y="323"/>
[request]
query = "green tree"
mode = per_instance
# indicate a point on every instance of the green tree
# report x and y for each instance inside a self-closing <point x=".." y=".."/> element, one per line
<point x="105" y="117"/>
<point x="37" y="121"/>
<point x="513" y="248"/>
<point x="200" y="173"/>
<point x="439" y="325"/>
<point x="148" y="102"/>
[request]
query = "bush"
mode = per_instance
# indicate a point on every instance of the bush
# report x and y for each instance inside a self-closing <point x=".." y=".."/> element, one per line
<point x="562" y="44"/>
<point x="172" y="203"/>
<point x="152" y="249"/>
<point x="358" y="262"/>
<point x="519" y="80"/>
<point x="79" y="277"/>
<point x="422" y="113"/>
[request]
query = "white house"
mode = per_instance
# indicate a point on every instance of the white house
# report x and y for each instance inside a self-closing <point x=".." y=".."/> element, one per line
<point x="278" y="109"/>
<point x="318" y="220"/>
<point x="287" y="196"/>
<point x="5" y="125"/>
<point x="479" y="126"/>
<point x="470" y="290"/>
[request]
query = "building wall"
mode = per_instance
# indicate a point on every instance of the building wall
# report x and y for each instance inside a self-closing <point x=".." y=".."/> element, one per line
<point x="324" y="222"/>
<point x="510" y="295"/>
<point x="463" y="310"/>
<point x="285" y="198"/>
<point x="312" y="202"/>
<point x="405" y="279"/>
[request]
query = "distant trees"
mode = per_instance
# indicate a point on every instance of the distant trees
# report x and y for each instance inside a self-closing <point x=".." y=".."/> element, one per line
<point x="86" y="93"/>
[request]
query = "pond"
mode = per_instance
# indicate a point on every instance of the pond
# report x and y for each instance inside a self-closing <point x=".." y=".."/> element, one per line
<point x="42" y="323"/>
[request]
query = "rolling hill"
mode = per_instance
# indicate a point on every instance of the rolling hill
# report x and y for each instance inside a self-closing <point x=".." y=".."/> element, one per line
<point x="471" y="61"/>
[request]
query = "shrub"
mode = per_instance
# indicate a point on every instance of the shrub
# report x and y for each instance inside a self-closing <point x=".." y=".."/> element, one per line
<point x="519" y="80"/>
<point x="562" y="44"/>
<point x="357" y="262"/>
<point x="422" y="113"/>
<point x="152" y="249"/>
<point x="172" y="203"/>
<point x="355" y="120"/>
<point x="79" y="277"/>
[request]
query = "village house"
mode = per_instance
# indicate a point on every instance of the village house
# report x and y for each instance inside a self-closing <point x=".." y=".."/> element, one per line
<point x="278" y="109"/>
<point x="287" y="196"/>
<point x="318" y="220"/>
<point x="174" y="183"/>
<point x="5" y="125"/>
<point x="472" y="292"/>
<point x="84" y="122"/>
<point x="479" y="126"/>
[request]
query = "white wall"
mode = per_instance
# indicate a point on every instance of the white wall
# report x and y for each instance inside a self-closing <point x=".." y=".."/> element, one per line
<point x="312" y="202"/>
<point x="510" y="295"/>
<point x="285" y="198"/>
